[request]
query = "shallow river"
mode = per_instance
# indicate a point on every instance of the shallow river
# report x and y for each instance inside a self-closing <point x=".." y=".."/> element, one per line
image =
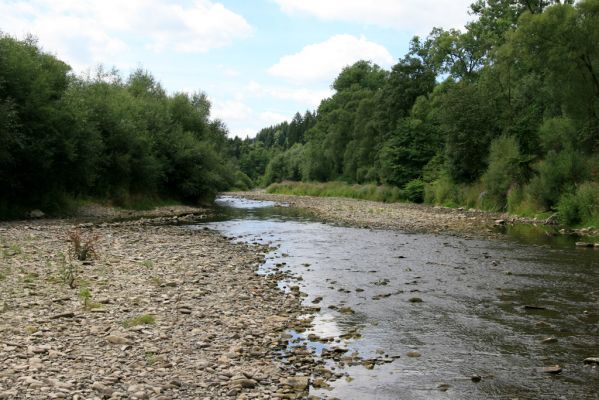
<point x="485" y="306"/>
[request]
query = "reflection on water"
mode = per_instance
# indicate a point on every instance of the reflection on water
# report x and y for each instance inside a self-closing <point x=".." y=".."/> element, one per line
<point x="486" y="306"/>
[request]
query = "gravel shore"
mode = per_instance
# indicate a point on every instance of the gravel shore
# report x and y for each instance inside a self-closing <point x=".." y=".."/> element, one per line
<point x="403" y="216"/>
<point x="161" y="312"/>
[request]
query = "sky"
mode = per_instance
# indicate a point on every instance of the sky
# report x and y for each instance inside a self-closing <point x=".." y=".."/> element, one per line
<point x="259" y="61"/>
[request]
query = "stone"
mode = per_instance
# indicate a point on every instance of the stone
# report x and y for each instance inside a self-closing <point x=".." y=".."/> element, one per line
<point x="552" y="369"/>
<point x="592" y="360"/>
<point x="36" y="214"/>
<point x="9" y="394"/>
<point x="476" y="378"/>
<point x="549" y="340"/>
<point x="298" y="383"/>
<point x="415" y="300"/>
<point x="113" y="339"/>
<point x="244" y="383"/>
<point x="443" y="387"/>
<point x="584" y="244"/>
<point x="102" y="389"/>
<point x="413" y="354"/>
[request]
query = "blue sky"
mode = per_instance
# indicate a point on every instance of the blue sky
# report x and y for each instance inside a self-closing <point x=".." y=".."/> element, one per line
<point x="259" y="61"/>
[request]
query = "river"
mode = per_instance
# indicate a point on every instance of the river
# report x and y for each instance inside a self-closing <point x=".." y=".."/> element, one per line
<point x="462" y="318"/>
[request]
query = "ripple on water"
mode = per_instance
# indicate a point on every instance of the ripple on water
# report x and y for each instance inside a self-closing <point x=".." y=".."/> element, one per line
<point x="485" y="306"/>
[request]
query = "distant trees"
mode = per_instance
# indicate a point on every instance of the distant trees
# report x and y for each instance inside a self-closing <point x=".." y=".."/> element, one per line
<point x="63" y="136"/>
<point x="503" y="115"/>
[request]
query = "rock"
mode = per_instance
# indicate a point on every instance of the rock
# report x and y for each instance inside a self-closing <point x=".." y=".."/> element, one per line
<point x="592" y="360"/>
<point x="103" y="389"/>
<point x="36" y="214"/>
<point x="415" y="300"/>
<point x="368" y="364"/>
<point x="534" y="307"/>
<point x="584" y="244"/>
<point x="476" y="378"/>
<point x="113" y="339"/>
<point x="549" y="340"/>
<point x="552" y="369"/>
<point x="244" y="383"/>
<point x="63" y="315"/>
<point x="9" y="394"/>
<point x="443" y="387"/>
<point x="298" y="383"/>
<point x="500" y="222"/>
<point x="413" y="354"/>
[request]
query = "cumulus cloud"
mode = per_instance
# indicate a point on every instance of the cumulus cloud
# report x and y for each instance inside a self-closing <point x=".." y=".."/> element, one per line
<point x="304" y="96"/>
<point x="323" y="61"/>
<point x="231" y="110"/>
<point x="88" y="32"/>
<point x="408" y="15"/>
<point x="270" y="118"/>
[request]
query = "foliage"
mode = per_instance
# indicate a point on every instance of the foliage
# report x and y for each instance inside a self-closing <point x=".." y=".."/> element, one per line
<point x="387" y="194"/>
<point x="502" y="115"/>
<point x="83" y="248"/>
<point x="505" y="170"/>
<point x="145" y="319"/>
<point x="580" y="207"/>
<point x="414" y="191"/>
<point x="98" y="135"/>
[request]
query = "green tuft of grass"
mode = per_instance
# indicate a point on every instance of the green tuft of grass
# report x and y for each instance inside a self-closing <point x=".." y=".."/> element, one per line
<point x="145" y="319"/>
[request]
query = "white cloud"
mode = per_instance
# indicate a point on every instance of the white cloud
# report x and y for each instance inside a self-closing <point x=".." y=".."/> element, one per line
<point x="270" y="118"/>
<point x="231" y="110"/>
<point x="89" y="32"/>
<point x="305" y="97"/>
<point x="321" y="62"/>
<point x="407" y="15"/>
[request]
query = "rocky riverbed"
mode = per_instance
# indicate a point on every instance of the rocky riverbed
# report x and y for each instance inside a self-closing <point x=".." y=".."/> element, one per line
<point x="156" y="311"/>
<point x="407" y="217"/>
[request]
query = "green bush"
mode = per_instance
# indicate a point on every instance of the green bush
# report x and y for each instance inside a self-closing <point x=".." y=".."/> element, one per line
<point x="557" y="174"/>
<point x="580" y="207"/>
<point x="568" y="209"/>
<point x="504" y="170"/>
<point x="414" y="191"/>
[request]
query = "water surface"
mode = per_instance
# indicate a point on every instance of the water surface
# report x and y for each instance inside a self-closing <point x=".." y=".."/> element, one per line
<point x="486" y="305"/>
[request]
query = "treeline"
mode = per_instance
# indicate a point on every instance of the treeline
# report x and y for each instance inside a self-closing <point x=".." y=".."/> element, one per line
<point x="501" y="116"/>
<point x="64" y="137"/>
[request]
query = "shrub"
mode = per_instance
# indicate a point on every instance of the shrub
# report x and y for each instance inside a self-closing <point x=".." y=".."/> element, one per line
<point x="504" y="170"/>
<point x="580" y="207"/>
<point x="83" y="248"/>
<point x="414" y="191"/>
<point x="557" y="174"/>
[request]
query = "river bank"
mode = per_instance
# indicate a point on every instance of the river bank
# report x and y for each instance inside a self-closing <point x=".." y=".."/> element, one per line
<point x="409" y="217"/>
<point x="160" y="312"/>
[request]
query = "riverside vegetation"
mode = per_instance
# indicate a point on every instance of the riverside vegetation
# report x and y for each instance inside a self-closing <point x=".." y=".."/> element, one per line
<point x="66" y="138"/>
<point x="501" y="116"/>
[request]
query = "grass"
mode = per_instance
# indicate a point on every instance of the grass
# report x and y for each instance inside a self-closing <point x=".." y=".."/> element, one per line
<point x="83" y="248"/>
<point x="145" y="319"/>
<point x="12" y="250"/>
<point x="148" y="264"/>
<point x="383" y="193"/>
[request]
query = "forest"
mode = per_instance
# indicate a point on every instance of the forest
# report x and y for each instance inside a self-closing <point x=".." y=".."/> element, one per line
<point x="66" y="138"/>
<point x="501" y="116"/>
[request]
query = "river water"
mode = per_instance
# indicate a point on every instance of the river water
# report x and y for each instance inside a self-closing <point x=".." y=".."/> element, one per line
<point x="485" y="307"/>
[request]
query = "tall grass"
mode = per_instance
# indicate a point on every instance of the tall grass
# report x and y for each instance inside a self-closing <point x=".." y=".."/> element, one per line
<point x="387" y="194"/>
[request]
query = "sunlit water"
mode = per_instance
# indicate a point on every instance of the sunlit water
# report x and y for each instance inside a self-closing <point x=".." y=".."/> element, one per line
<point x="486" y="305"/>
